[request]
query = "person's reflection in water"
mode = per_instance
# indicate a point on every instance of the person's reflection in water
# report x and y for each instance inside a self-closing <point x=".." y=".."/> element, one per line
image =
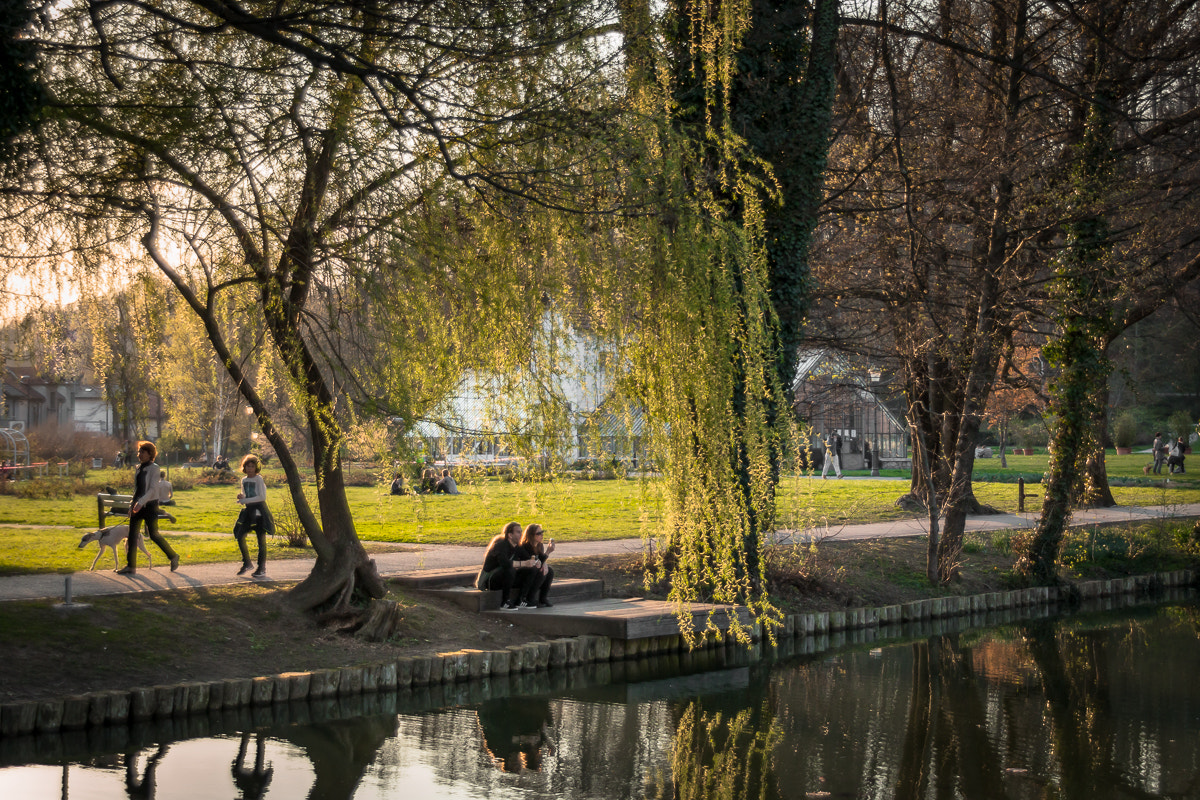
<point x="252" y="783"/>
<point x="515" y="731"/>
<point x="142" y="788"/>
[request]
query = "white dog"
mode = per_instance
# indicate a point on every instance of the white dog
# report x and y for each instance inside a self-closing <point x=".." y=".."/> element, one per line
<point x="111" y="537"/>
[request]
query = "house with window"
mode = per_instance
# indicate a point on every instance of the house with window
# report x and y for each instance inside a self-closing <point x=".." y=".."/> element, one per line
<point x="31" y="400"/>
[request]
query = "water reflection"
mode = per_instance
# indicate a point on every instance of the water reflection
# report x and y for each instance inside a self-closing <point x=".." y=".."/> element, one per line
<point x="1088" y="707"/>
<point x="516" y="732"/>
<point x="252" y="782"/>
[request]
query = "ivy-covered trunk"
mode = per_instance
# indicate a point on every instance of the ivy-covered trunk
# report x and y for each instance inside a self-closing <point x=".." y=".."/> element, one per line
<point x="1083" y="320"/>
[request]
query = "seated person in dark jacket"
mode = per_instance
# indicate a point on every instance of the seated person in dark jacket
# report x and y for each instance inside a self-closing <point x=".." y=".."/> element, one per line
<point x="499" y="567"/>
<point x="398" y="484"/>
<point x="533" y="585"/>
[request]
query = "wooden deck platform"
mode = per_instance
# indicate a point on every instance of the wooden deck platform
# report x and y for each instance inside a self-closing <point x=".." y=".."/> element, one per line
<point x="616" y="618"/>
<point x="579" y="607"/>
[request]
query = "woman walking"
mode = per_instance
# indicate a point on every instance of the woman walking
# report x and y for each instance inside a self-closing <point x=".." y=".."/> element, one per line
<point x="145" y="508"/>
<point x="254" y="514"/>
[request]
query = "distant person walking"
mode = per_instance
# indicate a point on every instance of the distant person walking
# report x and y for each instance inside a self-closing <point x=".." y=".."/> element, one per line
<point x="144" y="508"/>
<point x="833" y="455"/>
<point x="254" y="515"/>
<point x="1160" y="452"/>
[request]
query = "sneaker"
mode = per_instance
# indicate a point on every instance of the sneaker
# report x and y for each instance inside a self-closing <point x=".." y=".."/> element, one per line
<point x="509" y="606"/>
<point x="174" y="563"/>
<point x="524" y="605"/>
<point x="545" y="604"/>
<point x="127" y="571"/>
<point x="261" y="572"/>
<point x="245" y="568"/>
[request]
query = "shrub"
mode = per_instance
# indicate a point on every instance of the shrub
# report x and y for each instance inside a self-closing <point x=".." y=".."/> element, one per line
<point x="1125" y="429"/>
<point x="1031" y="433"/>
<point x="1181" y="423"/>
<point x="40" y="488"/>
<point x="288" y="528"/>
<point x="54" y="442"/>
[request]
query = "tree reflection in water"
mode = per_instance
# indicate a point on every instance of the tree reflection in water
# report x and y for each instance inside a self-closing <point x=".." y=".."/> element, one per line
<point x="717" y="756"/>
<point x="1083" y="708"/>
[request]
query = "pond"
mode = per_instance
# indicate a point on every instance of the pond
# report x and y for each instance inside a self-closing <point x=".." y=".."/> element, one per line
<point x="1087" y="706"/>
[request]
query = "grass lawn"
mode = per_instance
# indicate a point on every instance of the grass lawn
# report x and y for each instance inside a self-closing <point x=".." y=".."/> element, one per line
<point x="572" y="510"/>
<point x="24" y="551"/>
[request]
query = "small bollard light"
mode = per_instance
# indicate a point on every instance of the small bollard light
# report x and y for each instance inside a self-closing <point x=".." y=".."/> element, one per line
<point x="68" y="603"/>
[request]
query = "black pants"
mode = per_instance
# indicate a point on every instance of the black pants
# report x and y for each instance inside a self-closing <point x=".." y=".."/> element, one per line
<point x="532" y="586"/>
<point x="252" y="517"/>
<point x="149" y="514"/>
<point x="500" y="578"/>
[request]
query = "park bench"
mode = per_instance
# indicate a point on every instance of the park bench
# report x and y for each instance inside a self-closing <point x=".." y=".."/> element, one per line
<point x="117" y="505"/>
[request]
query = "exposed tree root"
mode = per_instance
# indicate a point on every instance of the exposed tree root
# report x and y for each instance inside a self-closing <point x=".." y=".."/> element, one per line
<point x="383" y="617"/>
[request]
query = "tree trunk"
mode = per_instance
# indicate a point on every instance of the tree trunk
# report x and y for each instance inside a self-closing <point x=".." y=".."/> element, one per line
<point x="1095" y="492"/>
<point x="1083" y="317"/>
<point x="1003" y="443"/>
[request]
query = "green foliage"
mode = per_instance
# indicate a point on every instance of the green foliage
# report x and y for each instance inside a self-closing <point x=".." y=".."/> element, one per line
<point x="1181" y="423"/>
<point x="1125" y="429"/>
<point x="24" y="552"/>
<point x="727" y="292"/>
<point x="40" y="488"/>
<point x="720" y="757"/>
<point x="1030" y="433"/>
<point x="1083" y="290"/>
<point x="1132" y="549"/>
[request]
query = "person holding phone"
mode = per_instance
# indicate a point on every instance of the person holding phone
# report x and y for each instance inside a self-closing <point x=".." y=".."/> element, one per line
<point x="535" y="547"/>
<point x="501" y="566"/>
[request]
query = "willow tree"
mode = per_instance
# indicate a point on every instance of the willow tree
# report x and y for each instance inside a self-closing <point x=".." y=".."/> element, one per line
<point x="285" y="160"/>
<point x="738" y="158"/>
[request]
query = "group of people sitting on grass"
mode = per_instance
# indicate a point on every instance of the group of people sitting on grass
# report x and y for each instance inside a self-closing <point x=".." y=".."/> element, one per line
<point x="515" y="564"/>
<point x="431" y="483"/>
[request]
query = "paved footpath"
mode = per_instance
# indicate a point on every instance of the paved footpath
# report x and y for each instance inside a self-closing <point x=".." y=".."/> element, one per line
<point x="415" y="557"/>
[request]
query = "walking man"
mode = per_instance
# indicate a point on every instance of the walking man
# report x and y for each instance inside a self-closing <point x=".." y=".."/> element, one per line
<point x="833" y="455"/>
